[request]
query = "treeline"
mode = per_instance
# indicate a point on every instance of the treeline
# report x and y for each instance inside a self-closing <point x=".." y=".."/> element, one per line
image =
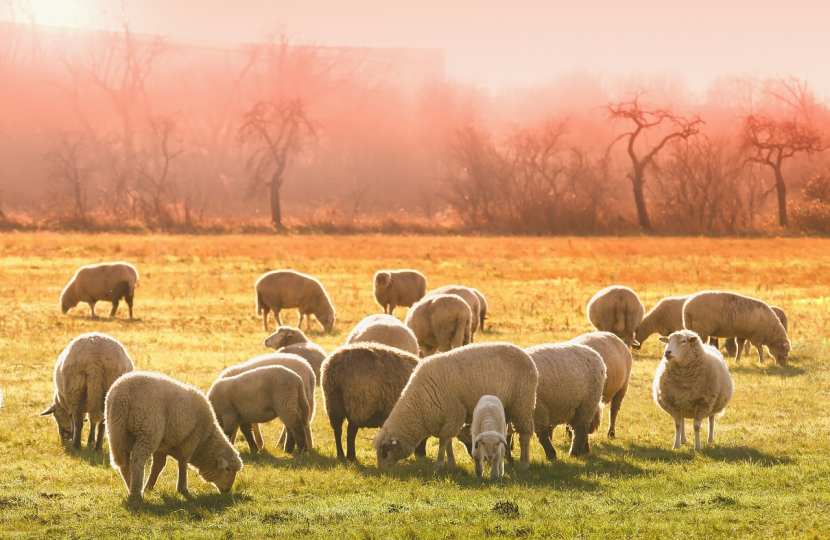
<point x="113" y="129"/>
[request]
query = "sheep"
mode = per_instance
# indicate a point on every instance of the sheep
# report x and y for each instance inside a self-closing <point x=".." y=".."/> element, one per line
<point x="723" y="314"/>
<point x="731" y="345"/>
<point x="442" y="394"/>
<point x="489" y="431"/>
<point x="482" y="308"/>
<point x="84" y="372"/>
<point x="571" y="381"/>
<point x="288" y="339"/>
<point x="692" y="381"/>
<point x="105" y="281"/>
<point x="283" y="289"/>
<point x="617" y="359"/>
<point x="665" y="318"/>
<point x="470" y="297"/>
<point x="258" y="396"/>
<point x="361" y="383"/>
<point x="440" y="322"/>
<point x="618" y="310"/>
<point x="395" y="288"/>
<point x="386" y="330"/>
<point x="295" y="363"/>
<point x="149" y="414"/>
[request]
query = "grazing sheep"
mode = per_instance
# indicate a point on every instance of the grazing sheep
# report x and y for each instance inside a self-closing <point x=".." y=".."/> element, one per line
<point x="692" y="381"/>
<point x="288" y="339"/>
<point x="443" y="392"/>
<point x="295" y="363"/>
<point x="152" y="415"/>
<point x="386" y="330"/>
<point x="84" y="372"/>
<point x="441" y="322"/>
<point x="489" y="432"/>
<point x="731" y="345"/>
<point x="284" y="289"/>
<point x="665" y="318"/>
<point x="617" y="310"/>
<point x="482" y="308"/>
<point x="258" y="396"/>
<point x="395" y="288"/>
<point x="617" y="359"/>
<point x="361" y="384"/>
<point x="723" y="314"/>
<point x="470" y="297"/>
<point x="571" y="381"/>
<point x="105" y="281"/>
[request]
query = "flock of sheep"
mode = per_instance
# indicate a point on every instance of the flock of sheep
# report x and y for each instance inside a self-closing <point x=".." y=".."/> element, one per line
<point x="413" y="380"/>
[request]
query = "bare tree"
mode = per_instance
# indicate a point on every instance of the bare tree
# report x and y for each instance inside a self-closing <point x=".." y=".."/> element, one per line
<point x="69" y="172"/>
<point x="154" y="169"/>
<point x="646" y="119"/>
<point x="274" y="131"/>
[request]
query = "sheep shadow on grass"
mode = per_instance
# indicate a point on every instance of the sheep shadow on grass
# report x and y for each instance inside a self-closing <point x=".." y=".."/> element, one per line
<point x="100" y="458"/>
<point x="725" y="454"/>
<point x="279" y="459"/>
<point x="199" y="507"/>
<point x="766" y="369"/>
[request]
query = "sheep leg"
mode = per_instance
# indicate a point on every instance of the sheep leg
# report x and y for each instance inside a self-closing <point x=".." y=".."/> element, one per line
<point x="760" y="348"/>
<point x="697" y="433"/>
<point x="479" y="467"/>
<point x="450" y="454"/>
<point x="159" y="461"/>
<point x="338" y="435"/>
<point x="115" y="303"/>
<point x="508" y="452"/>
<point x="679" y="434"/>
<point x="616" y="403"/>
<point x="421" y="449"/>
<point x="77" y="427"/>
<point x="257" y="436"/>
<point x="443" y="442"/>
<point x="129" y="299"/>
<point x="544" y="440"/>
<point x="351" y="435"/>
<point x="90" y="440"/>
<point x="249" y="436"/>
<point x="100" y="440"/>
<point x="125" y="471"/>
<point x="265" y="317"/>
<point x="579" y="445"/>
<point x="92" y="310"/>
<point x="524" y="443"/>
<point x="140" y="454"/>
<point x="747" y="348"/>
<point x="290" y="441"/>
<point x="740" y="346"/>
<point x="711" y="429"/>
<point x="181" y="485"/>
<point x="283" y="436"/>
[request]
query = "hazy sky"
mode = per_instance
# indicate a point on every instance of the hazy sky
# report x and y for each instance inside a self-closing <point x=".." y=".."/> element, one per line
<point x="517" y="42"/>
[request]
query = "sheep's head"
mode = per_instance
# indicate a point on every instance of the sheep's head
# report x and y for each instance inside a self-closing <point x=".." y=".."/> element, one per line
<point x="285" y="336"/>
<point x="383" y="280"/>
<point x="223" y="472"/>
<point x="62" y="419"/>
<point x="780" y="351"/>
<point x="389" y="450"/>
<point x="639" y="337"/>
<point x="327" y="321"/>
<point x="489" y="446"/>
<point x="68" y="299"/>
<point x="678" y="346"/>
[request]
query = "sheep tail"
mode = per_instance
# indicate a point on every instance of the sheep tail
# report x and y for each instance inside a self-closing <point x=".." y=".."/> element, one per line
<point x="619" y="324"/>
<point x="461" y="335"/>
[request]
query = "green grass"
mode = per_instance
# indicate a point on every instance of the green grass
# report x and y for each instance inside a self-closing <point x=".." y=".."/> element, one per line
<point x="766" y="475"/>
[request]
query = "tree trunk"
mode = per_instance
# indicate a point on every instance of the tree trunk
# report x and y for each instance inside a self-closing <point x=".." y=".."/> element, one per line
<point x="781" y="188"/>
<point x="276" y="212"/>
<point x="639" y="198"/>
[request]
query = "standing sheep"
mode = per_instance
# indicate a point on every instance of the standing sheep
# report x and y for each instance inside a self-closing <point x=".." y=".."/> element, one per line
<point x="84" y="372"/>
<point x="395" y="288"/>
<point x="617" y="359"/>
<point x="386" y="330"/>
<point x="285" y="289"/>
<point x="470" y="298"/>
<point x="571" y="380"/>
<point x="617" y="310"/>
<point x="443" y="392"/>
<point x="489" y="432"/>
<point x="664" y="319"/>
<point x="105" y="281"/>
<point x="288" y="339"/>
<point x="261" y="395"/>
<point x="441" y="322"/>
<point x="152" y="415"/>
<point x="692" y="381"/>
<point x="361" y="384"/>
<point x="723" y="314"/>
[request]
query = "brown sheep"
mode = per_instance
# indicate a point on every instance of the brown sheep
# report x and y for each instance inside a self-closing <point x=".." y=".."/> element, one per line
<point x="395" y="288"/>
<point x="105" y="281"/>
<point x="285" y="289"/>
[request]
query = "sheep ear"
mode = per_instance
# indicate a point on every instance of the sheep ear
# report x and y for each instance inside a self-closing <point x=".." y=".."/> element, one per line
<point x="636" y="344"/>
<point x="663" y="339"/>
<point x="50" y="410"/>
<point x="222" y="463"/>
<point x="693" y="339"/>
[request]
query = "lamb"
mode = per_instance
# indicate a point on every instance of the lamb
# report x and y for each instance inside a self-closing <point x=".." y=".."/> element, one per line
<point x="84" y="372"/>
<point x="571" y="381"/>
<point x="361" y="384"/>
<point x="618" y="361"/>
<point x="482" y="308"/>
<point x="440" y="322"/>
<point x="386" y="330"/>
<point x="665" y="318"/>
<point x="105" y="281"/>
<point x="443" y="392"/>
<point x="395" y="288"/>
<point x="692" y="381"/>
<point x="295" y="363"/>
<point x="489" y="431"/>
<point x="258" y="396"/>
<point x="470" y="297"/>
<point x="283" y="289"/>
<point x="153" y="415"/>
<point x="617" y="310"/>
<point x="288" y="339"/>
<point x="723" y="314"/>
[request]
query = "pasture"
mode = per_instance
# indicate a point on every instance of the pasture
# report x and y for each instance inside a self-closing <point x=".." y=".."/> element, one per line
<point x="767" y="474"/>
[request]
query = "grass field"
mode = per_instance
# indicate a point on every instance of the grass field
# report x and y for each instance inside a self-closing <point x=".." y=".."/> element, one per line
<point x="767" y="475"/>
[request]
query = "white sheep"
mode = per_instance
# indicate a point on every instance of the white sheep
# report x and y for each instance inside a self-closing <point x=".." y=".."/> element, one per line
<point x="443" y="392"/>
<point x="617" y="310"/>
<point x="470" y="297"/>
<point x="723" y="314"/>
<point x="489" y="433"/>
<point x="440" y="322"/>
<point x="287" y="339"/>
<point x="692" y="381"/>
<point x="731" y="344"/>
<point x="665" y="318"/>
<point x="105" y="281"/>
<point x="152" y="415"/>
<point x="386" y="330"/>
<point x="285" y="289"/>
<point x="395" y="288"/>
<point x="84" y="372"/>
